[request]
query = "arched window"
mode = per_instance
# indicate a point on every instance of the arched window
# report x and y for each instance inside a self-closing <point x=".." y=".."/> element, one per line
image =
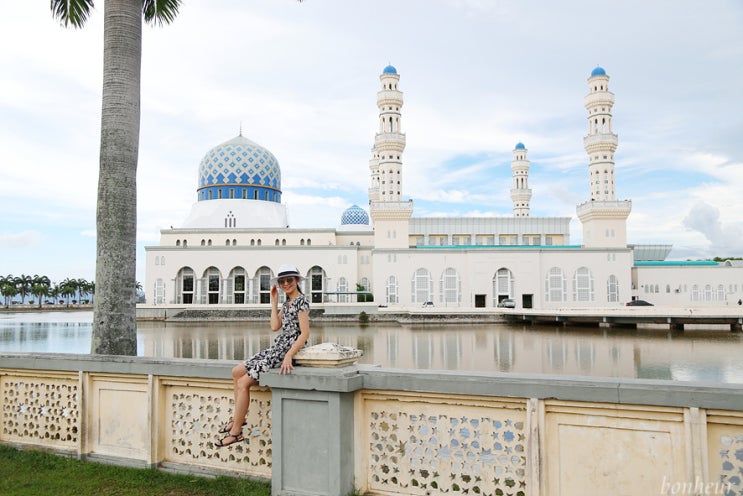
<point x="185" y="284"/>
<point x="421" y="287"/>
<point x="502" y="285"/>
<point x="708" y="293"/>
<point x="177" y="242"/>
<point x="612" y="289"/>
<point x="391" y="290"/>
<point x="555" y="285"/>
<point x="583" y="285"/>
<point x="721" y="293"/>
<point x="342" y="288"/>
<point x="213" y="282"/>
<point x="695" y="293"/>
<point x="450" y="288"/>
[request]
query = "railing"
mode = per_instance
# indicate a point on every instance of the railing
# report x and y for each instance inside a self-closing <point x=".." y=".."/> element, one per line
<point x="384" y="431"/>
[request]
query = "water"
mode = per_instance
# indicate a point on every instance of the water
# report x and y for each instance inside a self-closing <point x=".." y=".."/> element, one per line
<point x="694" y="355"/>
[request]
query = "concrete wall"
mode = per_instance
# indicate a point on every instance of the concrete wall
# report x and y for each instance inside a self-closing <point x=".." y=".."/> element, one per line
<point x="383" y="431"/>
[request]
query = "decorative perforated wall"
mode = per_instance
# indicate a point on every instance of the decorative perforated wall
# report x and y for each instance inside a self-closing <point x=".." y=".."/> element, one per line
<point x="731" y="456"/>
<point x="41" y="411"/>
<point x="195" y="417"/>
<point x="419" y="448"/>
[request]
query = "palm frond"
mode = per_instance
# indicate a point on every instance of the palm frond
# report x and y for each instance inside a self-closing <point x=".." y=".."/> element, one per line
<point x="71" y="12"/>
<point x="160" y="12"/>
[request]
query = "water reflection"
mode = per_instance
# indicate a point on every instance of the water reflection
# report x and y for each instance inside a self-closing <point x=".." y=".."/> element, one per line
<point x="699" y="355"/>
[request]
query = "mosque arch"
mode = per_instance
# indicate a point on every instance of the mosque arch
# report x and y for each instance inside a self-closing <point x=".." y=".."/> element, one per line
<point x="317" y="281"/>
<point x="502" y="285"/>
<point x="211" y="283"/>
<point x="237" y="286"/>
<point x="422" y="286"/>
<point x="450" y="287"/>
<point x="555" y="285"/>
<point x="185" y="286"/>
<point x="261" y="292"/>
<point x="583" y="285"/>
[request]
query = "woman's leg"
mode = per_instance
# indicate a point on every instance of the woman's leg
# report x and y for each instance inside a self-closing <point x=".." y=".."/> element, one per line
<point x="242" y="384"/>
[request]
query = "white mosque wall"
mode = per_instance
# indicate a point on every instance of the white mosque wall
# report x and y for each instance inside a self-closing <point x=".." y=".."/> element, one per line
<point x="689" y="285"/>
<point x="536" y="277"/>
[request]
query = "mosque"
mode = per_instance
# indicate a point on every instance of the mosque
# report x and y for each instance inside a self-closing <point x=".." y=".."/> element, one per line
<point x="238" y="232"/>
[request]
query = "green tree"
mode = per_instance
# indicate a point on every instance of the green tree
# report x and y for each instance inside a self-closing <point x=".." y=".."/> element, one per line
<point x="114" y="310"/>
<point x="54" y="292"/>
<point x="40" y="287"/>
<point x="7" y="288"/>
<point x="68" y="288"/>
<point x="23" y="285"/>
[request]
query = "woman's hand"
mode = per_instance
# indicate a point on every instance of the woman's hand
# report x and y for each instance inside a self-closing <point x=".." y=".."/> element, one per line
<point x="274" y="294"/>
<point x="286" y="365"/>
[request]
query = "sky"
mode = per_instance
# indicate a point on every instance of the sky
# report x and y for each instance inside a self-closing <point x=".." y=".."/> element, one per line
<point x="300" y="79"/>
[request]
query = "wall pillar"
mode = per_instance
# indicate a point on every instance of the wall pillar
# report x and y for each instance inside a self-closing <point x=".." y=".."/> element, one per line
<point x="312" y="417"/>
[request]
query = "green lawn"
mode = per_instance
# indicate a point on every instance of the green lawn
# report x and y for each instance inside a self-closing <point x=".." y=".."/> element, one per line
<point x="36" y="473"/>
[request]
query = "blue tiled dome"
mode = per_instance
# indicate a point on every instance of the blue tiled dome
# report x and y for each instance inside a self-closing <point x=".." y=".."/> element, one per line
<point x="598" y="71"/>
<point x="355" y="215"/>
<point x="239" y="169"/>
<point x="520" y="146"/>
<point x="389" y="70"/>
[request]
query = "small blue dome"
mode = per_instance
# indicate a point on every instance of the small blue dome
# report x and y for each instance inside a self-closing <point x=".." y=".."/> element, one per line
<point x="355" y="215"/>
<point x="520" y="146"/>
<point x="389" y="70"/>
<point x="598" y="71"/>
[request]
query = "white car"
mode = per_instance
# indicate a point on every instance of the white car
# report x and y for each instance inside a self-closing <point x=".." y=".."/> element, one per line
<point x="507" y="303"/>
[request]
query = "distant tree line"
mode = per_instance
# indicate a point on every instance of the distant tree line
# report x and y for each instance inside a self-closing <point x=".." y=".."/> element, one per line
<point x="43" y="289"/>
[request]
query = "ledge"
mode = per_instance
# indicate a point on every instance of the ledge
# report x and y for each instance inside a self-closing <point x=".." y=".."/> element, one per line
<point x="357" y="377"/>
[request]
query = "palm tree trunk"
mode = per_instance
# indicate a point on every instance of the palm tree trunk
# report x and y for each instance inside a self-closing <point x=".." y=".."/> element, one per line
<point x="114" y="311"/>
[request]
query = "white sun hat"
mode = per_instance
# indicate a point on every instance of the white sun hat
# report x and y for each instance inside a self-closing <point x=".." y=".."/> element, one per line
<point x="285" y="271"/>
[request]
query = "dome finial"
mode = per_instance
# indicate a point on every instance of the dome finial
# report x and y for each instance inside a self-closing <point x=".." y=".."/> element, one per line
<point x="241" y="128"/>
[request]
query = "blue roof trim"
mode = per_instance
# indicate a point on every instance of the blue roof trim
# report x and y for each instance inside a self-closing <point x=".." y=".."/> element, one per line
<point x="501" y="247"/>
<point x="674" y="263"/>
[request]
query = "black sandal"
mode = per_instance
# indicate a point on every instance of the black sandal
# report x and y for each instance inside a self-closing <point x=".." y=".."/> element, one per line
<point x="237" y="438"/>
<point x="229" y="425"/>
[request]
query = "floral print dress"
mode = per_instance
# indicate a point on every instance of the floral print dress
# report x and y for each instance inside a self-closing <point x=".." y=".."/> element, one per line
<point x="272" y="356"/>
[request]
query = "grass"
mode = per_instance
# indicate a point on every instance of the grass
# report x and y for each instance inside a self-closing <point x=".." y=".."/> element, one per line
<point x="35" y="473"/>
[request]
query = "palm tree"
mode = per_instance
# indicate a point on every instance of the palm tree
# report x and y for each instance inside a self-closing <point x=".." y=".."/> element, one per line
<point x="68" y="288"/>
<point x="40" y="287"/>
<point x="7" y="288"/>
<point x="54" y="292"/>
<point x="114" y="310"/>
<point x="23" y="285"/>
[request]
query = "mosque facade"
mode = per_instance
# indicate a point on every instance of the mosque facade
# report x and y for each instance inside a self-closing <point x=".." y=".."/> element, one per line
<point x="238" y="232"/>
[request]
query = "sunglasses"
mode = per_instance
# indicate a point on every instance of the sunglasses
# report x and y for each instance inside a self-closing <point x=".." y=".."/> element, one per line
<point x="286" y="280"/>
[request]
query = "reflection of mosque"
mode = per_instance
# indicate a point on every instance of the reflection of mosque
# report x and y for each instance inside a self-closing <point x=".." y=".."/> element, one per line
<point x="707" y="355"/>
<point x="476" y="348"/>
<point x="238" y="231"/>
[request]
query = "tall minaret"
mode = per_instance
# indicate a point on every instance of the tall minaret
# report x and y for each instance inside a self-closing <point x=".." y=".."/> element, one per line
<point x="389" y="213"/>
<point x="520" y="193"/>
<point x="604" y="218"/>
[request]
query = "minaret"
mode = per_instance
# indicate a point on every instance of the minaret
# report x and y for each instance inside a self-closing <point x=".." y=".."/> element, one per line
<point x="389" y="213"/>
<point x="604" y="218"/>
<point x="520" y="193"/>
